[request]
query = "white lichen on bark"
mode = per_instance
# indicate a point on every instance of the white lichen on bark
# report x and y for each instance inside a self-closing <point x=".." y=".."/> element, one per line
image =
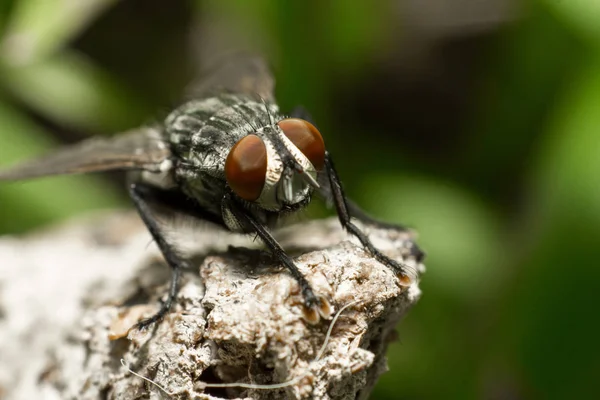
<point x="68" y="295"/>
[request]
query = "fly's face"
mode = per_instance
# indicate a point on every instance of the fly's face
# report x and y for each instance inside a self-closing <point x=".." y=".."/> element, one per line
<point x="276" y="167"/>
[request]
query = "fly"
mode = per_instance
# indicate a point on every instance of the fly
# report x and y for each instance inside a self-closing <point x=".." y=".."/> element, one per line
<point x="228" y="156"/>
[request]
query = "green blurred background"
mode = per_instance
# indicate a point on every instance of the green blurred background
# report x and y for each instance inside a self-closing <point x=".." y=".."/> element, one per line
<point x="477" y="122"/>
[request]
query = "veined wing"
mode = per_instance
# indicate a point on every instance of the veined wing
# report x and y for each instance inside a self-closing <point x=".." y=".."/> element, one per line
<point x="238" y="73"/>
<point x="142" y="149"/>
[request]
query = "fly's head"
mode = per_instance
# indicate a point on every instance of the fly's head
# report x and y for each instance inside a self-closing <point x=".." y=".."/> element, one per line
<point x="276" y="167"/>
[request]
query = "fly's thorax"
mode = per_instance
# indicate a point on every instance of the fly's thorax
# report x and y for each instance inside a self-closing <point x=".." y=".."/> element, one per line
<point x="202" y="132"/>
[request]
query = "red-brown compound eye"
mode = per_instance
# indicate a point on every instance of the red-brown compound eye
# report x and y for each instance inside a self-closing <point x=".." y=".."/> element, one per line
<point x="246" y="167"/>
<point x="306" y="138"/>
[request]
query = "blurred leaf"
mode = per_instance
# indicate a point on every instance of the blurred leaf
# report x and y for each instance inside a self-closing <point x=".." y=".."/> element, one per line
<point x="301" y="59"/>
<point x="582" y="16"/>
<point x="524" y="75"/>
<point x="460" y="236"/>
<point x="6" y="7"/>
<point x="433" y="346"/>
<point x="71" y="90"/>
<point x="355" y="34"/>
<point x="551" y="312"/>
<point x="570" y="160"/>
<point x="38" y="27"/>
<point x="465" y="268"/>
<point x="26" y="204"/>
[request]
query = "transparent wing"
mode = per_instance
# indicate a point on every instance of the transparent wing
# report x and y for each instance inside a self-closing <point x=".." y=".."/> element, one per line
<point x="235" y="72"/>
<point x="142" y="149"/>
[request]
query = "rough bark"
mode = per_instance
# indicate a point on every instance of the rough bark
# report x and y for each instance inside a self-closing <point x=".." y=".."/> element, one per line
<point x="69" y="294"/>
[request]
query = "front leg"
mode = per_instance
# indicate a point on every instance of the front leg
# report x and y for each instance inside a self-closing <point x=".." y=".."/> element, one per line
<point x="354" y="210"/>
<point x="314" y="304"/>
<point x="332" y="189"/>
<point x="326" y="192"/>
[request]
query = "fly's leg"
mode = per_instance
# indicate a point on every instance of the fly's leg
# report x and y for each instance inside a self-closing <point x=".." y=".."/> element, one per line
<point x="140" y="197"/>
<point x="326" y="192"/>
<point x="345" y="207"/>
<point x="311" y="301"/>
<point x="335" y="191"/>
<point x="353" y="209"/>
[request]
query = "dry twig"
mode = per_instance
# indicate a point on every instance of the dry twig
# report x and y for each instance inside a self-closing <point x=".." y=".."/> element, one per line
<point x="66" y="292"/>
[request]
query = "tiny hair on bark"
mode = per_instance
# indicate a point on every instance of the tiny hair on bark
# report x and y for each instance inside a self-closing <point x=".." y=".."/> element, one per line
<point x="238" y="330"/>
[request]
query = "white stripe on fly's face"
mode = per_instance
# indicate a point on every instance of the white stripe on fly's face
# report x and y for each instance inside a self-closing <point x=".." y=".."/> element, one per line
<point x="282" y="187"/>
<point x="268" y="195"/>
<point x="293" y="188"/>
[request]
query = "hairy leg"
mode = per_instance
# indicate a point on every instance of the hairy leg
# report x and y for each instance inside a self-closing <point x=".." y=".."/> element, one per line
<point x="332" y="192"/>
<point x="141" y="195"/>
<point x="336" y="193"/>
<point x="252" y="225"/>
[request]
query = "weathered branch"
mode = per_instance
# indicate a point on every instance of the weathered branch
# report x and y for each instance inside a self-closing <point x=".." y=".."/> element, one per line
<point x="66" y="292"/>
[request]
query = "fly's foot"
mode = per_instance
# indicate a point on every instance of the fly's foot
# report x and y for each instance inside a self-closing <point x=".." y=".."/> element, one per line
<point x="311" y="304"/>
<point x="310" y="314"/>
<point x="315" y="307"/>
<point x="157" y="317"/>
<point x="145" y="323"/>
<point x="325" y="308"/>
<point x="406" y="274"/>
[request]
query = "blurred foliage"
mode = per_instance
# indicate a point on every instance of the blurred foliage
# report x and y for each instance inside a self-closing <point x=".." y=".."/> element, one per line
<point x="486" y="141"/>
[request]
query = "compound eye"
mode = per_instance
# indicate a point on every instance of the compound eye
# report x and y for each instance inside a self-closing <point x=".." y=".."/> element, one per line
<point x="246" y="167"/>
<point x="306" y="138"/>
